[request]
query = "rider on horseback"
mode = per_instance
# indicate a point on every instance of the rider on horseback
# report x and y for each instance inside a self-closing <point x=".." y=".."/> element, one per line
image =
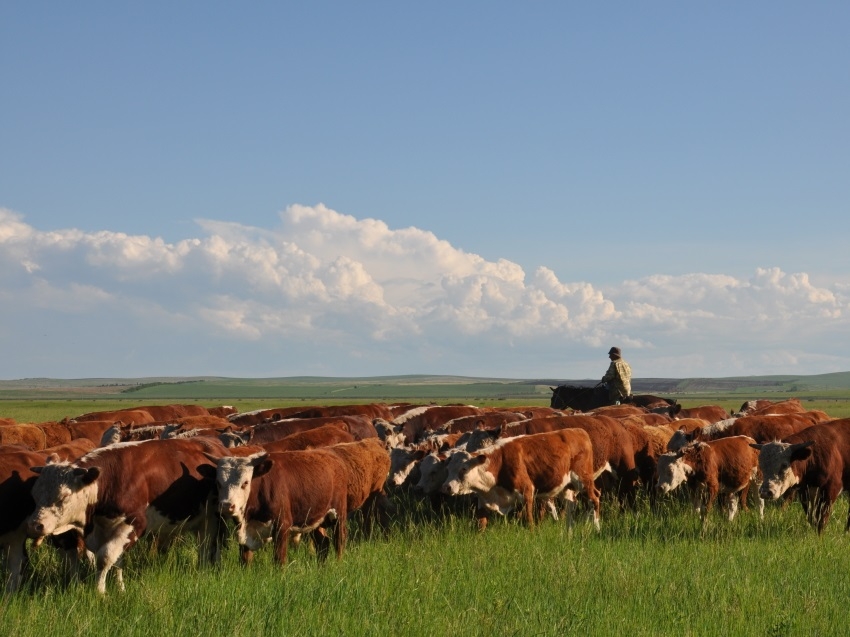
<point x="618" y="378"/>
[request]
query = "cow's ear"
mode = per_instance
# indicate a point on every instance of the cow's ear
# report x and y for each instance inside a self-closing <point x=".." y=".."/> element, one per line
<point x="803" y="451"/>
<point x="36" y="469"/>
<point x="87" y="476"/>
<point x="756" y="446"/>
<point x="211" y="458"/>
<point x="207" y="471"/>
<point x="263" y="466"/>
<point x="477" y="460"/>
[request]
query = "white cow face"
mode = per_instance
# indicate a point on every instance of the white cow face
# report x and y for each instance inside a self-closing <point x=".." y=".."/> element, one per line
<point x="432" y="473"/>
<point x="672" y="471"/>
<point x="402" y="463"/>
<point x="775" y="462"/>
<point x="465" y="474"/>
<point x="62" y="493"/>
<point x="233" y="478"/>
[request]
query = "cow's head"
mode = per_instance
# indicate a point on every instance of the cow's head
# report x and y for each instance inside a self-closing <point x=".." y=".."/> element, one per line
<point x="62" y="493"/>
<point x="432" y="473"/>
<point x="404" y="464"/>
<point x="233" y="480"/>
<point x="672" y="470"/>
<point x="464" y="473"/>
<point x="776" y="461"/>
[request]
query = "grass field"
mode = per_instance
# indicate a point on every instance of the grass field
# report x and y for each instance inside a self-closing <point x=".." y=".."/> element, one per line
<point x="645" y="573"/>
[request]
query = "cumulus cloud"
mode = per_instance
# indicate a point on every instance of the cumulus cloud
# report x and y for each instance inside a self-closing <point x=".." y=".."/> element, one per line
<point x="327" y="282"/>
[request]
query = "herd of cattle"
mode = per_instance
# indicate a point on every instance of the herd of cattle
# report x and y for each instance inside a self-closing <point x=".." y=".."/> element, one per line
<point x="91" y="486"/>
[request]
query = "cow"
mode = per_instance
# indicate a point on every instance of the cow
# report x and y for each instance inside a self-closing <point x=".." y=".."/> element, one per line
<point x="711" y="413"/>
<point x="113" y="495"/>
<point x="417" y="423"/>
<point x="323" y="436"/>
<point x="815" y="462"/>
<point x="369" y="410"/>
<point x="367" y="465"/>
<point x="728" y="466"/>
<point x="769" y="408"/>
<point x="26" y="435"/>
<point x="613" y="448"/>
<point x="511" y="475"/>
<point x="273" y="494"/>
<point x="760" y="428"/>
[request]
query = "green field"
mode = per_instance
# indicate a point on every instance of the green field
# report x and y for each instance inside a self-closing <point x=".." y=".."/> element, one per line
<point x="645" y="573"/>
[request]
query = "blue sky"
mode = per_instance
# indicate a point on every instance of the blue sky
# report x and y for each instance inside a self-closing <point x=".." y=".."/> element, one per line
<point x="454" y="188"/>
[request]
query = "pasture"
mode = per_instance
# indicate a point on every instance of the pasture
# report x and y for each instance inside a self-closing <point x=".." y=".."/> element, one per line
<point x="645" y="573"/>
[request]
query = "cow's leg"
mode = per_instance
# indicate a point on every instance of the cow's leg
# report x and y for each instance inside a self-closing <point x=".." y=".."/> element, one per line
<point x="281" y="542"/>
<point x="246" y="555"/>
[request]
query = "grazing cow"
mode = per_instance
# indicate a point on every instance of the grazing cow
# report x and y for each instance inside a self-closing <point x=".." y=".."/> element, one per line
<point x="273" y="494"/>
<point x="760" y="428"/>
<point x="769" y="408"/>
<point x="465" y="424"/>
<point x="367" y="465"/>
<point x="545" y="466"/>
<point x="323" y="436"/>
<point x="727" y="465"/>
<point x="268" y="432"/>
<point x="613" y="448"/>
<point x="816" y="461"/>
<point x="129" y="416"/>
<point x="28" y="436"/>
<point x="55" y="433"/>
<point x="370" y="411"/>
<point x="114" y="494"/>
<point x="90" y="430"/>
<point x="16" y="480"/>
<point x="418" y="423"/>
<point x="711" y="413"/>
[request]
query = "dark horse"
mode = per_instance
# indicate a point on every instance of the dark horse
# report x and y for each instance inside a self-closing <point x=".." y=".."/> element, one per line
<point x="578" y="397"/>
<point x="587" y="398"/>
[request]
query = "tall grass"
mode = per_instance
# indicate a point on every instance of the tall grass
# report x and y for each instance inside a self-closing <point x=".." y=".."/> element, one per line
<point x="644" y="574"/>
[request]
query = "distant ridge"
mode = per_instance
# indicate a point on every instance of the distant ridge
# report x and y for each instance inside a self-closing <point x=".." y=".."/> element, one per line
<point x="393" y="385"/>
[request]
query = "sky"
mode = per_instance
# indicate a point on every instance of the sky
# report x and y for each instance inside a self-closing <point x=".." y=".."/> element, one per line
<point x="466" y="188"/>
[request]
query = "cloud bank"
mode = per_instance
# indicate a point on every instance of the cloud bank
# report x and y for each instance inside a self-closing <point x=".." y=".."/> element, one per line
<point x="325" y="293"/>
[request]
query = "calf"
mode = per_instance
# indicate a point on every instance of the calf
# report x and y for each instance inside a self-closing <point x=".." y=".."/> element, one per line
<point x="727" y="465"/>
<point x="815" y="461"/>
<point x="272" y="494"/>
<point x="546" y="465"/>
<point x="113" y="495"/>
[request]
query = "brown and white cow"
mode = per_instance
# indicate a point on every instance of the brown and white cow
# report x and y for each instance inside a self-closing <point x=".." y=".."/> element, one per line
<point x="511" y="475"/>
<point x="113" y="495"/>
<point x="815" y="461"/>
<point x="727" y="466"/>
<point x="271" y="495"/>
<point x="760" y="428"/>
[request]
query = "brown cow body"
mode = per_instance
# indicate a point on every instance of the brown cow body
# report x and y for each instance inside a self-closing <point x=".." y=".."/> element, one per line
<point x="760" y="428"/>
<point x="115" y="494"/>
<point x="545" y="466"/>
<point x="287" y="492"/>
<point x="815" y="461"/>
<point x="728" y="465"/>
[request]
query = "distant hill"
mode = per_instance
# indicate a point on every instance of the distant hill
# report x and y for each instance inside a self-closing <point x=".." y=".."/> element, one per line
<point x="399" y="387"/>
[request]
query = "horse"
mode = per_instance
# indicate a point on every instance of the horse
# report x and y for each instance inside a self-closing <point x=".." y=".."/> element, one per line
<point x="579" y="398"/>
<point x="587" y="398"/>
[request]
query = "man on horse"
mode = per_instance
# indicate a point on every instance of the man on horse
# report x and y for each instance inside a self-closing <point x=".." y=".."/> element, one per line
<point x="618" y="378"/>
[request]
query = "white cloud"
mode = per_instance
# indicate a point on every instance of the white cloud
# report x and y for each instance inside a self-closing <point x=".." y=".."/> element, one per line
<point x="356" y="289"/>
